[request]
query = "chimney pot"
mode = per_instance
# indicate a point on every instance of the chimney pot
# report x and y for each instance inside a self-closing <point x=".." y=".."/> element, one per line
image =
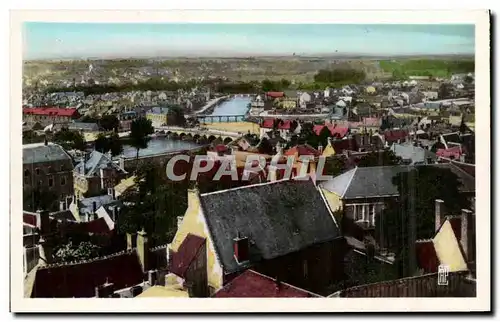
<point x="439" y="213"/>
<point x="94" y="207"/>
<point x="241" y="247"/>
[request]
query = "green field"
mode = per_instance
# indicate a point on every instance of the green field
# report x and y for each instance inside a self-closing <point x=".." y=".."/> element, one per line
<point x="426" y="67"/>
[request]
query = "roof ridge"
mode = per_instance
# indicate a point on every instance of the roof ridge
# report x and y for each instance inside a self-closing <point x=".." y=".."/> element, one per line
<point x="248" y="186"/>
<point x="86" y="261"/>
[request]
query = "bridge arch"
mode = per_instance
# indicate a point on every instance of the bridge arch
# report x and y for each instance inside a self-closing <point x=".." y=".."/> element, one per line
<point x="227" y="140"/>
<point x="211" y="138"/>
<point x="203" y="139"/>
<point x="196" y="137"/>
<point x="175" y="135"/>
<point x="182" y="135"/>
<point x="188" y="136"/>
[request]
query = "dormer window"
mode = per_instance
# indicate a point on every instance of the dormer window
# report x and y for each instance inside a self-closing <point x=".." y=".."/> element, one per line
<point x="26" y="173"/>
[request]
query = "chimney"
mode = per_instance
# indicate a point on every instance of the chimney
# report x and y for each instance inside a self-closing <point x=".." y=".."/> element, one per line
<point x="112" y="193"/>
<point x="43" y="222"/>
<point x="241" y="248"/>
<point x="115" y="213"/>
<point x="320" y="148"/>
<point x="143" y="249"/>
<point x="68" y="201"/>
<point x="153" y="277"/>
<point x="102" y="175"/>
<point x="131" y="241"/>
<point x="467" y="235"/>
<point x="45" y="141"/>
<point x="329" y="139"/>
<point x="439" y="213"/>
<point x="62" y="205"/>
<point x="104" y="290"/>
<point x="278" y="283"/>
<point x="462" y="157"/>
<point x="94" y="207"/>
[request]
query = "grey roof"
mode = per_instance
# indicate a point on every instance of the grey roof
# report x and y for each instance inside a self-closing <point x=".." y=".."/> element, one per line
<point x="83" y="126"/>
<point x="96" y="162"/>
<point x="85" y="205"/>
<point x="365" y="182"/>
<point x="372" y="182"/>
<point x="39" y="152"/>
<point x="414" y="153"/>
<point x="278" y="218"/>
<point x="159" y="110"/>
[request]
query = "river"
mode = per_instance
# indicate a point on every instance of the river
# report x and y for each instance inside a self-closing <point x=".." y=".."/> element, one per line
<point x="233" y="106"/>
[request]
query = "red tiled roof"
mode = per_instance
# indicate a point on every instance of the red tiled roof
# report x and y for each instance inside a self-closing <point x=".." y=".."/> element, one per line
<point x="275" y="94"/>
<point x="267" y="123"/>
<point x="394" y="135"/>
<point x="303" y="149"/>
<point x="336" y="131"/>
<point x="455" y="152"/>
<point x="253" y="284"/>
<point x="220" y="148"/>
<point x="80" y="280"/>
<point x="182" y="259"/>
<point x="347" y="144"/>
<point x="56" y="111"/>
<point x="426" y="256"/>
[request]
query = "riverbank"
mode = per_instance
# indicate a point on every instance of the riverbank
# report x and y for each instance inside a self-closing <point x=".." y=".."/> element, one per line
<point x="242" y="127"/>
<point x="211" y="105"/>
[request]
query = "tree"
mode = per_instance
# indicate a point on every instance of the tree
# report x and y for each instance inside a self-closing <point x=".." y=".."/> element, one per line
<point x="70" y="252"/>
<point x="445" y="91"/>
<point x="379" y="158"/>
<point x="265" y="146"/>
<point x="101" y="143"/>
<point x="109" y="123"/>
<point x="322" y="138"/>
<point x="116" y="145"/>
<point x="176" y="114"/>
<point x="32" y="137"/>
<point x="70" y="139"/>
<point x="155" y="205"/>
<point x="140" y="129"/>
<point x="468" y="79"/>
<point x="334" y="166"/>
<point x="411" y="216"/>
<point x="89" y="119"/>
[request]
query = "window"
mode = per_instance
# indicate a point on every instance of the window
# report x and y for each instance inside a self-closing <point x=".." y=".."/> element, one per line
<point x="37" y="171"/>
<point x="63" y="181"/>
<point x="62" y="167"/>
<point x="51" y="181"/>
<point x="49" y="169"/>
<point x="26" y="180"/>
<point x="26" y="173"/>
<point x="304" y="264"/>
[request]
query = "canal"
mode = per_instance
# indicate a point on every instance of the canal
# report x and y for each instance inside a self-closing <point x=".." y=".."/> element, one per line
<point x="233" y="106"/>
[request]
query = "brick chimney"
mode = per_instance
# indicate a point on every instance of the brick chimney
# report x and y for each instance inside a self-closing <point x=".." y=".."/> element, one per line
<point x="131" y="241"/>
<point x="143" y="249"/>
<point x="467" y="234"/>
<point x="241" y="246"/>
<point x="43" y="222"/>
<point x="439" y="213"/>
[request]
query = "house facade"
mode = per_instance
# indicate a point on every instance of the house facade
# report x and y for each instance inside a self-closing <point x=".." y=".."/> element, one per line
<point x="47" y="167"/>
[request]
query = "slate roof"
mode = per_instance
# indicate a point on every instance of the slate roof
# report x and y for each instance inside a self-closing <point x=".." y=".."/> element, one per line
<point x="414" y="153"/>
<point x="253" y="284"/>
<point x="279" y="218"/>
<point x="97" y="161"/>
<point x="182" y="259"/>
<point x="39" y="152"/>
<point x="367" y="182"/>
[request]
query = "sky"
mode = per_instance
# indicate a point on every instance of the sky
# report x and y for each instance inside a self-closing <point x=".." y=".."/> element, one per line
<point x="45" y="40"/>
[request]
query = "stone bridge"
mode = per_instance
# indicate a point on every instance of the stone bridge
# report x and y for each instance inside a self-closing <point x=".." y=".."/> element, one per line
<point x="199" y="132"/>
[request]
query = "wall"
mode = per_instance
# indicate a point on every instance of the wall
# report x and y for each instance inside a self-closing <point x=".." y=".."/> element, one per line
<point x="421" y="286"/>
<point x="333" y="200"/>
<point x="197" y="274"/>
<point x="194" y="223"/>
<point x="448" y="248"/>
<point x="31" y="257"/>
<point x="315" y="268"/>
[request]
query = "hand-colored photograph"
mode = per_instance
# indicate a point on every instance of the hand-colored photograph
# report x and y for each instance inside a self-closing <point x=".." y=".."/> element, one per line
<point x="215" y="160"/>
